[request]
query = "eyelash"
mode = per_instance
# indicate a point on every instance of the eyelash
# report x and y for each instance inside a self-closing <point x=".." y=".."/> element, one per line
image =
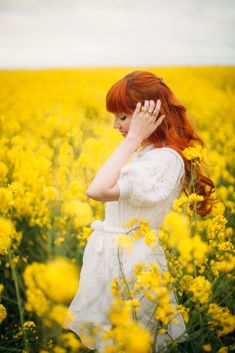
<point x="123" y="118"/>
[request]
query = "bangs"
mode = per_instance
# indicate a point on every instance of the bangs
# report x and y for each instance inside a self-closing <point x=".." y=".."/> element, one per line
<point x="117" y="98"/>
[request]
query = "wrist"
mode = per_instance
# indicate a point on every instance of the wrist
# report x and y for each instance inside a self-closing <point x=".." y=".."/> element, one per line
<point x="134" y="140"/>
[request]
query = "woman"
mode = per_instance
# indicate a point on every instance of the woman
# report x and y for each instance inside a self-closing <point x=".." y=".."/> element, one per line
<point x="141" y="180"/>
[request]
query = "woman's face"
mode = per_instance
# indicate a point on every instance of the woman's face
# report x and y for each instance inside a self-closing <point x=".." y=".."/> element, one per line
<point x="122" y="122"/>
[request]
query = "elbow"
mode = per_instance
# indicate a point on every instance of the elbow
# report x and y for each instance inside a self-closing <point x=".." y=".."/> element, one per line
<point x="89" y="192"/>
<point x="93" y="194"/>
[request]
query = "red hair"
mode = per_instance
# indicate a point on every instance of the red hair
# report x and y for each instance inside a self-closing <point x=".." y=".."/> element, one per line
<point x="177" y="130"/>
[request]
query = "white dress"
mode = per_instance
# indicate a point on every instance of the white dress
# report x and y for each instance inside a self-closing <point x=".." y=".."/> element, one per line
<point x="149" y="183"/>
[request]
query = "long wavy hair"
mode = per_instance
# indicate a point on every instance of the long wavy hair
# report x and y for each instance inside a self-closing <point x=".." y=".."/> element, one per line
<point x="177" y="130"/>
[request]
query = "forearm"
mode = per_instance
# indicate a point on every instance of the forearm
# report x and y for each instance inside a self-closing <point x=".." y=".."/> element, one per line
<point x="109" y="173"/>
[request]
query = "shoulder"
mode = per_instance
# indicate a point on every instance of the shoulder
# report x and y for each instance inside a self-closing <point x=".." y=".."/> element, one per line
<point x="164" y="154"/>
<point x="151" y="177"/>
<point x="155" y="162"/>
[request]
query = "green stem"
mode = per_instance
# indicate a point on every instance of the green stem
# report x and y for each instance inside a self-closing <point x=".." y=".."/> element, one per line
<point x="49" y="243"/>
<point x="151" y="316"/>
<point x="199" y="313"/>
<point x="195" y="202"/>
<point x="19" y="301"/>
<point x="155" y="339"/>
<point x="10" y="349"/>
<point x="193" y="228"/>
<point x="189" y="190"/>
<point x="128" y="289"/>
<point x="9" y="300"/>
<point x="173" y="341"/>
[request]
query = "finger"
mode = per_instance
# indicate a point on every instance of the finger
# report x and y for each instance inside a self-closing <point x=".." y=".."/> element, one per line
<point x="160" y="120"/>
<point x="157" y="108"/>
<point x="158" y="105"/>
<point x="146" y="104"/>
<point x="138" y="107"/>
<point x="151" y="107"/>
<point x="144" y="108"/>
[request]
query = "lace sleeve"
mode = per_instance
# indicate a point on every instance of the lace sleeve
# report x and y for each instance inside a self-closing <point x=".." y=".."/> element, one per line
<point x="150" y="180"/>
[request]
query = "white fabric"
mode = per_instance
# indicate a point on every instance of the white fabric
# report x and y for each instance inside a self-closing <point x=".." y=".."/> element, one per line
<point x="150" y="180"/>
<point x="149" y="183"/>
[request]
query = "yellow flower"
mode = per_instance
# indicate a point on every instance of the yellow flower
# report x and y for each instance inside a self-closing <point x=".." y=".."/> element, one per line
<point x="184" y="311"/>
<point x="55" y="272"/>
<point x="227" y="265"/>
<point x="58" y="349"/>
<point x="60" y="314"/>
<point x="45" y="284"/>
<point x="131" y="222"/>
<point x="6" y="198"/>
<point x="71" y="342"/>
<point x="125" y="241"/>
<point x="119" y="312"/>
<point x="221" y="319"/>
<point x="1" y="288"/>
<point x="3" y="170"/>
<point x="16" y="188"/>
<point x="201" y="289"/>
<point x="80" y="211"/>
<point x="207" y="347"/>
<point x="3" y="312"/>
<point x="178" y="203"/>
<point x="114" y="287"/>
<point x="194" y="198"/>
<point x="51" y="193"/>
<point x="150" y="237"/>
<point x="29" y="324"/>
<point x="138" y="340"/>
<point x="195" y="153"/>
<point x="76" y="188"/>
<point x="7" y="234"/>
<point x="223" y="350"/>
<point x="216" y="228"/>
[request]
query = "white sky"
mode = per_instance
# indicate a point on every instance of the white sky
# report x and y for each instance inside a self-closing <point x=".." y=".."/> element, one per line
<point x="91" y="33"/>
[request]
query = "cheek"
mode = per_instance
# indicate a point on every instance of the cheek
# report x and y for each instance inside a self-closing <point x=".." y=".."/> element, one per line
<point x="127" y="124"/>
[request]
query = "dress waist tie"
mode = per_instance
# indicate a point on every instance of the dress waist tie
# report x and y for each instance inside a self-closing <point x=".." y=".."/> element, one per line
<point x="103" y="227"/>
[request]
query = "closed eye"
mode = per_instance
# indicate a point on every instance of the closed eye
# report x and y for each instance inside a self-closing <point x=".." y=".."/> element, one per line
<point x="123" y="118"/>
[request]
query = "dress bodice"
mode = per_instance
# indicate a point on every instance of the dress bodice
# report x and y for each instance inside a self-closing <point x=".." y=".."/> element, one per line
<point x="149" y="183"/>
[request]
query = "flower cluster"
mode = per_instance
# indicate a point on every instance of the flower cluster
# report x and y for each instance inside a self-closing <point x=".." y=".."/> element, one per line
<point x="195" y="153"/>
<point x="141" y="230"/>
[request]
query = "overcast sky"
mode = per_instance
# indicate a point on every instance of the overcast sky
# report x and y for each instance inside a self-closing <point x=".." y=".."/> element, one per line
<point x="91" y="33"/>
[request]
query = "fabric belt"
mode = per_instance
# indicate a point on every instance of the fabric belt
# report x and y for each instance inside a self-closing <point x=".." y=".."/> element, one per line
<point x="103" y="227"/>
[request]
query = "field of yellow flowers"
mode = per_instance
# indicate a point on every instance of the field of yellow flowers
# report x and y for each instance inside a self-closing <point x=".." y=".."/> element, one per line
<point x="55" y="133"/>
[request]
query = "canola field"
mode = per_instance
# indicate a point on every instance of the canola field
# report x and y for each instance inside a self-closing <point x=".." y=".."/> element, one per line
<point x="55" y="134"/>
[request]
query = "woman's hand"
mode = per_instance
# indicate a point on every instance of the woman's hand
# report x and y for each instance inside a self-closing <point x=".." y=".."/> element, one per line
<point x="144" y="123"/>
